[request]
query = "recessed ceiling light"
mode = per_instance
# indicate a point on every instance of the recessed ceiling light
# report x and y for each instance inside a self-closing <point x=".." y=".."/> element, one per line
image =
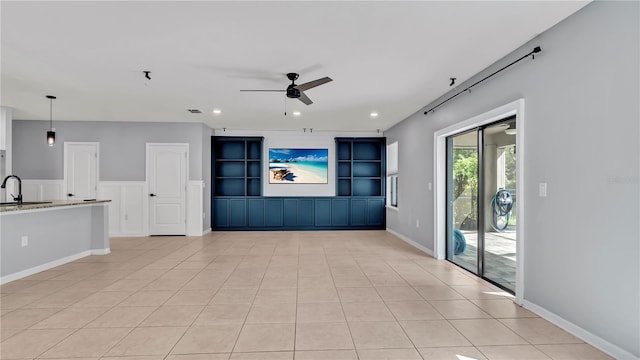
<point x="296" y="113"/>
<point x="373" y="114"/>
<point x="217" y="111"/>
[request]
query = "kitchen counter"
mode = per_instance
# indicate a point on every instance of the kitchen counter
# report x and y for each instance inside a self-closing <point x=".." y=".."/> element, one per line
<point x="39" y="236"/>
<point x="47" y="204"/>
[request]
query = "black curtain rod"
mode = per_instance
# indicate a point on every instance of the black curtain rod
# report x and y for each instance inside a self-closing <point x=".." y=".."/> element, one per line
<point x="535" y="50"/>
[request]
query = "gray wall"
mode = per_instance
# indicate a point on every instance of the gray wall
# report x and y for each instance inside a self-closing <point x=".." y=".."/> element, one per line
<point x="122" y="147"/>
<point x="582" y="137"/>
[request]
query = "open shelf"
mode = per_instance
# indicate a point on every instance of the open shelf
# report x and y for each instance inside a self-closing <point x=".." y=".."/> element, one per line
<point x="344" y="169"/>
<point x="360" y="166"/>
<point x="230" y="186"/>
<point x="367" y="169"/>
<point x="230" y="169"/>
<point x="237" y="166"/>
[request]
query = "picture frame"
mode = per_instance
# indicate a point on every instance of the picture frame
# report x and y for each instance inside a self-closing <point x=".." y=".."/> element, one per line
<point x="298" y="166"/>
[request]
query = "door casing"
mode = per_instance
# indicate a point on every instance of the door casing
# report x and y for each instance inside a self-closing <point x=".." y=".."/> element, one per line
<point x="516" y="108"/>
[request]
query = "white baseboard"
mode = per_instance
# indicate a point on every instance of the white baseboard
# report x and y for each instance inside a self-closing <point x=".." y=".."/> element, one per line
<point x="206" y="231"/>
<point x="36" y="269"/>
<point x="412" y="242"/>
<point x="588" y="337"/>
<point x="50" y="265"/>
<point x="116" y="235"/>
<point x="101" y="251"/>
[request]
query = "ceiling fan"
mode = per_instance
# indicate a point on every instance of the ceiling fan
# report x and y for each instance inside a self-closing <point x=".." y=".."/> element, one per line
<point x="297" y="91"/>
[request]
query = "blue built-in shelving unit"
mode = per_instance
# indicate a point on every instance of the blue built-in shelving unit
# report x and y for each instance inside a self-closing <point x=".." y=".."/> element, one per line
<point x="237" y="166"/>
<point x="238" y="203"/>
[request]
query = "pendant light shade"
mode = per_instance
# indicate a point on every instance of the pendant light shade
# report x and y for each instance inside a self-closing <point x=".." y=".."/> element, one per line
<point x="51" y="134"/>
<point x="51" y="137"/>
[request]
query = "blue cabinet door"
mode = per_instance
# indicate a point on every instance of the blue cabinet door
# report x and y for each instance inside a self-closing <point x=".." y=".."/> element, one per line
<point x="323" y="212"/>
<point x="358" y="212"/>
<point x="376" y="212"/>
<point x="305" y="212"/>
<point x="220" y="213"/>
<point x="298" y="213"/>
<point x="290" y="212"/>
<point x="256" y="212"/>
<point x="237" y="212"/>
<point x="340" y="212"/>
<point x="273" y="212"/>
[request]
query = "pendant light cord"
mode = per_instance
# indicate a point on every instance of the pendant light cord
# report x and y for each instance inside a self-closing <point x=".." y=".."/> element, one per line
<point x="51" y="114"/>
<point x="51" y="98"/>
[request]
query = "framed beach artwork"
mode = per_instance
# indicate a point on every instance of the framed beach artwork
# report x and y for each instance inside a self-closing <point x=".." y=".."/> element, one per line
<point x="298" y="166"/>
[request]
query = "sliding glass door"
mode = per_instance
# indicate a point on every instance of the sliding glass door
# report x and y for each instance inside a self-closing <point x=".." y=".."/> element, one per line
<point x="481" y="196"/>
<point x="462" y="200"/>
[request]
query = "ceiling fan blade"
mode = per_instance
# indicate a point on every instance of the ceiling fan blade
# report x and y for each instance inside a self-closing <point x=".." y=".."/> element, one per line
<point x="305" y="99"/>
<point x="266" y="90"/>
<point x="314" y="83"/>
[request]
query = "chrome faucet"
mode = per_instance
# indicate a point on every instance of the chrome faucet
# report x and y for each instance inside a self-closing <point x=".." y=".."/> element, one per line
<point x="4" y="185"/>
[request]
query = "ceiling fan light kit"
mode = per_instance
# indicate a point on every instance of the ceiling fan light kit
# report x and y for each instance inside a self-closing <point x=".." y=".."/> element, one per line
<point x="294" y="91"/>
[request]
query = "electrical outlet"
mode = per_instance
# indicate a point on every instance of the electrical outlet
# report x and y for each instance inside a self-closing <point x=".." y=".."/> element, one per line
<point x="417" y="223"/>
<point x="542" y="189"/>
<point x="24" y="240"/>
<point x="430" y="186"/>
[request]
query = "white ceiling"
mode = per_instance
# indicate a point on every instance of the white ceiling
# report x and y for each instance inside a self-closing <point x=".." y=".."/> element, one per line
<point x="389" y="57"/>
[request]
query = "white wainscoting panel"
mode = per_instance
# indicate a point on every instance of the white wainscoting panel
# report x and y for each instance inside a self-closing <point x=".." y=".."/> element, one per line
<point x="112" y="192"/>
<point x="195" y="207"/>
<point x="134" y="199"/>
<point x="127" y="207"/>
<point x="42" y="190"/>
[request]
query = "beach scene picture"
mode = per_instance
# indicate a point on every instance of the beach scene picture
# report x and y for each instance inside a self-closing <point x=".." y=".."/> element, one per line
<point x="298" y="166"/>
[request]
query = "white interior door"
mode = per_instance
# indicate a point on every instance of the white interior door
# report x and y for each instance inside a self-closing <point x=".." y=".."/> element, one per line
<point x="167" y="179"/>
<point x="81" y="170"/>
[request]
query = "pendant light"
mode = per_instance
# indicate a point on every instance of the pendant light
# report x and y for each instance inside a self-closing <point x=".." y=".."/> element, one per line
<point x="51" y="134"/>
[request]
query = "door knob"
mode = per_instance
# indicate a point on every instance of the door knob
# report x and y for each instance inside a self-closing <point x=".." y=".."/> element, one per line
<point x="152" y="194"/>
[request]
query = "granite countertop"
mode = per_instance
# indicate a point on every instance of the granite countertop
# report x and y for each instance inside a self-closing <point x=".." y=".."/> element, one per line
<point x="47" y="204"/>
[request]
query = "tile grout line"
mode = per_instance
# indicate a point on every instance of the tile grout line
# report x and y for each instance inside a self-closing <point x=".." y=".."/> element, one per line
<point x="295" y="319"/>
<point x="387" y="306"/>
<point x="76" y="330"/>
<point x="201" y="311"/>
<point x="252" y="301"/>
<point x="355" y="350"/>
<point x="135" y="327"/>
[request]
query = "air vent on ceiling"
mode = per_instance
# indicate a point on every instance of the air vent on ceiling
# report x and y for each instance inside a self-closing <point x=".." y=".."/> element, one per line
<point x="194" y="111"/>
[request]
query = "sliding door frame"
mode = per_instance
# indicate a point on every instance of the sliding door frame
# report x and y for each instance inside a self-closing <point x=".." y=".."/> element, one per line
<point x="440" y="181"/>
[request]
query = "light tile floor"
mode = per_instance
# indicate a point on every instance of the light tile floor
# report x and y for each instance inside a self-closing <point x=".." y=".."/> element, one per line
<point x="270" y="295"/>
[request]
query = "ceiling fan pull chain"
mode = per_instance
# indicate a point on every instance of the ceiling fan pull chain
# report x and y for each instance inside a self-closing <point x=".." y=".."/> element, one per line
<point x="285" y="106"/>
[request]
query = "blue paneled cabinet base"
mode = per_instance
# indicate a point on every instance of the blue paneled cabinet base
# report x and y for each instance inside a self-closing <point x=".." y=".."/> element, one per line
<point x="298" y="213"/>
